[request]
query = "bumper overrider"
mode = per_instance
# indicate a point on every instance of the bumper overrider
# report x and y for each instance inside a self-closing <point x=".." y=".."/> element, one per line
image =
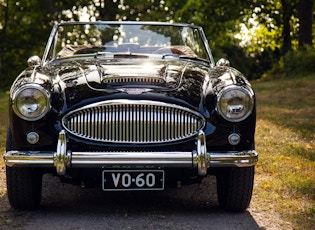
<point x="64" y="158"/>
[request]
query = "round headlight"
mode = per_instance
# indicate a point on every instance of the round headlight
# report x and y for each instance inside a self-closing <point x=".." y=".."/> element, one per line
<point x="31" y="102"/>
<point x="235" y="103"/>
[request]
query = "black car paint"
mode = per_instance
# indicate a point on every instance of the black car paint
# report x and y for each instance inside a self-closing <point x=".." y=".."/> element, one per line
<point x="197" y="88"/>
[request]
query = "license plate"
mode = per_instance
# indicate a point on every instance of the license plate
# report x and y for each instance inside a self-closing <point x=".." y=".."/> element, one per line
<point x="132" y="180"/>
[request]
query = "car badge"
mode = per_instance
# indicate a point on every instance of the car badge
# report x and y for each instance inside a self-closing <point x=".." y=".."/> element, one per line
<point x="135" y="91"/>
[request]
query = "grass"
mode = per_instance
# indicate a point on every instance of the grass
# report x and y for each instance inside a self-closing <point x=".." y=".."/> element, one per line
<point x="4" y="97"/>
<point x="285" y="140"/>
<point x="3" y="123"/>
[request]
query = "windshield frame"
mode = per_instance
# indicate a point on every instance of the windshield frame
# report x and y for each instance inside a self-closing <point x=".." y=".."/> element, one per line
<point x="49" y="54"/>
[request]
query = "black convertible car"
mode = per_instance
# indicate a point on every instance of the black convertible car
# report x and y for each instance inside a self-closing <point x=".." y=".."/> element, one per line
<point x="130" y="106"/>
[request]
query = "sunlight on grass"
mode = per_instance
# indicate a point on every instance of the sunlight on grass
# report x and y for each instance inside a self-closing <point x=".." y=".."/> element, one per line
<point x="285" y="140"/>
<point x="285" y="135"/>
<point x="3" y="124"/>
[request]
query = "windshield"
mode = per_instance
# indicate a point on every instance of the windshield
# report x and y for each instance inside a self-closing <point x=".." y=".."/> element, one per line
<point x="72" y="39"/>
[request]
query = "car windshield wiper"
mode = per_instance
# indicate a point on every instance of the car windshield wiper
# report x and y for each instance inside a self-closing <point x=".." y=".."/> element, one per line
<point x="183" y="57"/>
<point x="101" y="53"/>
<point x="194" y="59"/>
<point x="121" y="55"/>
<point x="130" y="55"/>
<point x="164" y="56"/>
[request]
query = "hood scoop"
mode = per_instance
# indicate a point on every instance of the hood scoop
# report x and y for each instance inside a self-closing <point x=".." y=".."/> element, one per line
<point x="136" y="79"/>
<point x="146" y="75"/>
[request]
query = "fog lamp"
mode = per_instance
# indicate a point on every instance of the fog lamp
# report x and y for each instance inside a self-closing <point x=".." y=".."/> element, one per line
<point x="234" y="139"/>
<point x="32" y="137"/>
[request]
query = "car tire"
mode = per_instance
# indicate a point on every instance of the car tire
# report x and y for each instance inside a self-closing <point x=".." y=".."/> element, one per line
<point x="234" y="187"/>
<point x="24" y="185"/>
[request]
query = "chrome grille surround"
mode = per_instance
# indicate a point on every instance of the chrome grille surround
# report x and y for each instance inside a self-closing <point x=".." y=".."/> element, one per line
<point x="134" y="79"/>
<point x="133" y="121"/>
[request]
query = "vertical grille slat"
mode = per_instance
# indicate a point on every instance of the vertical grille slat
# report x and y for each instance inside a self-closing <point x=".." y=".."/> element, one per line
<point x="140" y="122"/>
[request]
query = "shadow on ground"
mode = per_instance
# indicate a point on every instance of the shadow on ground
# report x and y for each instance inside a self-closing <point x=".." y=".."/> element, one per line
<point x="70" y="207"/>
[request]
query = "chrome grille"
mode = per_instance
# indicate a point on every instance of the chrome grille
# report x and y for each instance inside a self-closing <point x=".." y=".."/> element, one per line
<point x="128" y="121"/>
<point x="134" y="79"/>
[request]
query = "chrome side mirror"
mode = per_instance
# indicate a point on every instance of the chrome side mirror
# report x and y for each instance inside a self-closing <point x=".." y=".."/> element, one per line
<point x="223" y="62"/>
<point x="34" y="61"/>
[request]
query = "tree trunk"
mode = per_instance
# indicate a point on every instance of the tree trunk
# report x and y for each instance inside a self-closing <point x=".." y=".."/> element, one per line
<point x="305" y="14"/>
<point x="3" y="41"/>
<point x="286" y="15"/>
<point x="109" y="11"/>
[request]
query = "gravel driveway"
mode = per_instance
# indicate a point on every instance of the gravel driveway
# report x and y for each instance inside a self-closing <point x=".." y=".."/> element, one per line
<point x="70" y="208"/>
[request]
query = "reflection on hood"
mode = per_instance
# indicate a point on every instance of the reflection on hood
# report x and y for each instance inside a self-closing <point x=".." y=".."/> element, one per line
<point x="115" y="74"/>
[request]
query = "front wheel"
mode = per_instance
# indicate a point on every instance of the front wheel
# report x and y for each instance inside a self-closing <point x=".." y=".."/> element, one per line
<point x="235" y="186"/>
<point x="24" y="187"/>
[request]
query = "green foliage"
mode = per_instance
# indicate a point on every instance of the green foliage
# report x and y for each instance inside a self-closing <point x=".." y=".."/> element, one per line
<point x="218" y="18"/>
<point x="24" y="34"/>
<point x="145" y="10"/>
<point x="25" y="26"/>
<point x="253" y="67"/>
<point x="299" y="62"/>
<point x="263" y="39"/>
<point x="221" y="22"/>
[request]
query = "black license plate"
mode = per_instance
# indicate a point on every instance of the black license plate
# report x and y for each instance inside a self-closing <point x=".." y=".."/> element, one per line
<point x="132" y="180"/>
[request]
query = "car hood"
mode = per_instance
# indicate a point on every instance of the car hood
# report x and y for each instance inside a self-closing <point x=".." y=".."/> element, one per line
<point x="85" y="79"/>
<point x="117" y="74"/>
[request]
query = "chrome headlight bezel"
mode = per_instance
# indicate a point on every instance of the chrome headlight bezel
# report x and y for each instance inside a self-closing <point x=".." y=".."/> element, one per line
<point x="31" y="102"/>
<point x="235" y="103"/>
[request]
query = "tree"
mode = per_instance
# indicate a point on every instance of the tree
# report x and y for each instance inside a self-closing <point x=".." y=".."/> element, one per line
<point x="4" y="20"/>
<point x="220" y="19"/>
<point x="25" y="27"/>
<point x="305" y="14"/>
<point x="22" y="35"/>
<point x="145" y="10"/>
<point x="281" y="25"/>
<point x="287" y="12"/>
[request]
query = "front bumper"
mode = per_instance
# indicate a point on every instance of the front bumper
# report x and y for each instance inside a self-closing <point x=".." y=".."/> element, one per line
<point x="63" y="158"/>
